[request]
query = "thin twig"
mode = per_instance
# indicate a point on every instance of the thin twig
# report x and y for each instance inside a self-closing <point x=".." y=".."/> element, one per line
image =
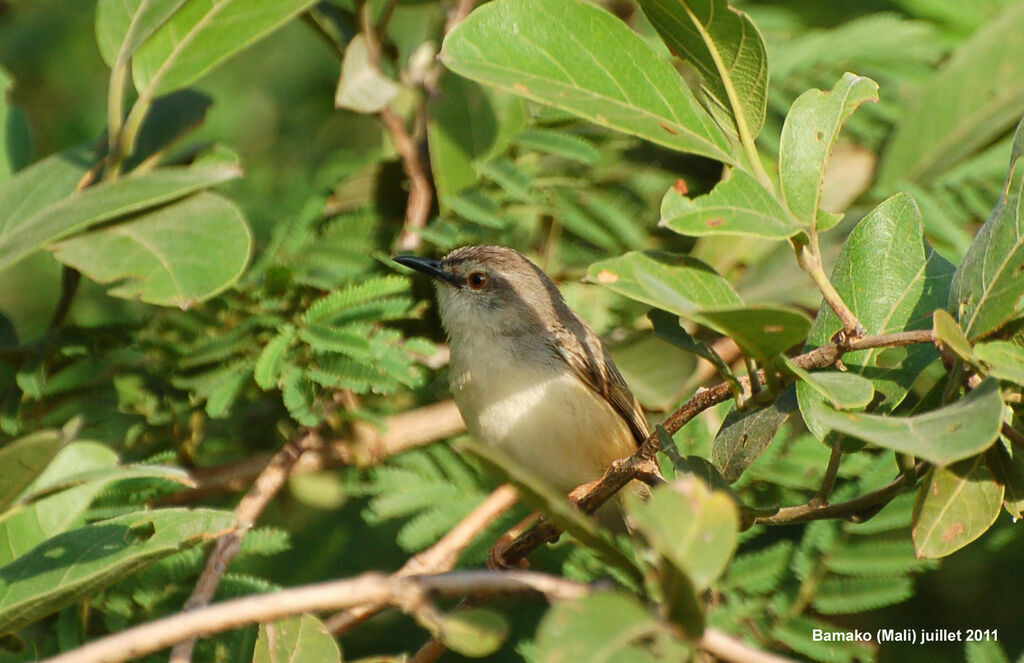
<point x="421" y="194"/>
<point x="263" y="490"/>
<point x="439" y="558"/>
<point x="828" y="482"/>
<point x="411" y="594"/>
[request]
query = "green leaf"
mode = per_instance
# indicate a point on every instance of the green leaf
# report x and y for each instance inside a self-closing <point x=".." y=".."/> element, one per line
<point x="467" y="123"/>
<point x="362" y="87"/>
<point x="839" y="595"/>
<point x="201" y="35"/>
<point x="811" y="129"/>
<point x="1008" y="472"/>
<point x="762" y="331"/>
<point x="955" y="505"/>
<point x="302" y="639"/>
<point x="736" y="206"/>
<point x="123" y="25"/>
<point x="976" y="96"/>
<point x="165" y="257"/>
<point x="15" y="133"/>
<point x="691" y="526"/>
<point x="40" y="185"/>
<point x="606" y="626"/>
<point x="25" y="459"/>
<point x="846" y="391"/>
<point x="1005" y="360"/>
<point x="676" y="283"/>
<point x="960" y="430"/>
<point x="744" y="435"/>
<point x="948" y="332"/>
<point x="271" y="360"/>
<point x="988" y="287"/>
<point x="605" y="73"/>
<point x="80" y="562"/>
<point x="104" y="202"/>
<point x="888" y="241"/>
<point x="353" y="297"/>
<point x="472" y="632"/>
<point x="668" y="328"/>
<point x="726" y="48"/>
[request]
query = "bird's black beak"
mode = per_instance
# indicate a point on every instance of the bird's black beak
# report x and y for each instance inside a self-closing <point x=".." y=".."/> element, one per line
<point x="427" y="266"/>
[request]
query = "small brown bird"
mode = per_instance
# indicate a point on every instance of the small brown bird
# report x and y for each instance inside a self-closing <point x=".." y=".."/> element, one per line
<point x="528" y="374"/>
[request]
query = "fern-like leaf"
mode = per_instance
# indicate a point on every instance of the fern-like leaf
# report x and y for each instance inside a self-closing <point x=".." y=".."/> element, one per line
<point x="333" y="305"/>
<point x="271" y="361"/>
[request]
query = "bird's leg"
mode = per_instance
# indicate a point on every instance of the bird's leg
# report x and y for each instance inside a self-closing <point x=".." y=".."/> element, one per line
<point x="496" y="558"/>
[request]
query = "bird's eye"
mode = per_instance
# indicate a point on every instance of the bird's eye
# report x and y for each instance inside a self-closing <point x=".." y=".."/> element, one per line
<point x="476" y="280"/>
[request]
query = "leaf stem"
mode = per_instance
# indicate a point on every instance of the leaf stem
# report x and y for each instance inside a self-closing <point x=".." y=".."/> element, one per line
<point x="808" y="256"/>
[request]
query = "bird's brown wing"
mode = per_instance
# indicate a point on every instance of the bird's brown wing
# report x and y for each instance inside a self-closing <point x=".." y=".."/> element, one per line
<point x="590" y="361"/>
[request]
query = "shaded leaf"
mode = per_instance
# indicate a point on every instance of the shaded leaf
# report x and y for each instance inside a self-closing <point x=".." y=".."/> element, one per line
<point x="42" y="184"/>
<point x="955" y="505"/>
<point x="988" y="287"/>
<point x="762" y="331"/>
<point x="811" y="129"/>
<point x="201" y="35"/>
<point x="948" y="332"/>
<point x="960" y="430"/>
<point x="744" y="435"/>
<point x="25" y="459"/>
<point x="693" y="527"/>
<point x="736" y="206"/>
<point x="80" y="562"/>
<point x="726" y="48"/>
<point x="1005" y="360"/>
<point x="302" y="639"/>
<point x="559" y="143"/>
<point x="668" y="328"/>
<point x="472" y="632"/>
<point x="177" y="255"/>
<point x="104" y="202"/>
<point x="605" y="73"/>
<point x="1008" y="472"/>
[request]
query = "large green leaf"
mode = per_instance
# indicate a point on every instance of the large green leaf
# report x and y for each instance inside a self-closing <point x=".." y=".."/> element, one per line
<point x="176" y="255"/>
<point x="201" y="35"/>
<point x="975" y="97"/>
<point x="988" y="288"/>
<point x="80" y="562"/>
<point x="467" y="123"/>
<point x="580" y="58"/>
<point x="694" y="528"/>
<point x="957" y="431"/>
<point x="25" y="459"/>
<point x="123" y="25"/>
<point x="302" y="639"/>
<point x="104" y="202"/>
<point x="892" y="281"/>
<point x="736" y="206"/>
<point x="57" y="500"/>
<point x="811" y="129"/>
<point x="726" y="48"/>
<point x="762" y="331"/>
<point x="676" y="283"/>
<point x="955" y="505"/>
<point x="606" y="626"/>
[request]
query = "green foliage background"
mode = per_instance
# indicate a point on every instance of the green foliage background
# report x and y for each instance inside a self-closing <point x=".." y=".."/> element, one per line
<point x="318" y="309"/>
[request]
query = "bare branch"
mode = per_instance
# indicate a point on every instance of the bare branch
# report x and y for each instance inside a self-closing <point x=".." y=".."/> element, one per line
<point x="409" y="593"/>
<point x="263" y="490"/>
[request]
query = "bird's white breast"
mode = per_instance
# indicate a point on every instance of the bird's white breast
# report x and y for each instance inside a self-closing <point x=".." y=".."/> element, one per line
<point x="538" y="412"/>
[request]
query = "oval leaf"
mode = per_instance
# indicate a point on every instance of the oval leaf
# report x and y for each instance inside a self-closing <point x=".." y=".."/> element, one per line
<point x="580" y="58"/>
<point x="177" y="255"/>
<point x="302" y="639"/>
<point x="943" y="436"/>
<point x="744" y="435"/>
<point x="762" y="331"/>
<point x="846" y="391"/>
<point x="24" y="459"/>
<point x="955" y="505"/>
<point x="811" y="129"/>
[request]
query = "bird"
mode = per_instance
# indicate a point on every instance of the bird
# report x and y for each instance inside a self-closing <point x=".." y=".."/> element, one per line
<point x="528" y="374"/>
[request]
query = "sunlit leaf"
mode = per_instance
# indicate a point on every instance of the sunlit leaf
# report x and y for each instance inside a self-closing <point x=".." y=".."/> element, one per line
<point x="302" y="639"/>
<point x="955" y="505"/>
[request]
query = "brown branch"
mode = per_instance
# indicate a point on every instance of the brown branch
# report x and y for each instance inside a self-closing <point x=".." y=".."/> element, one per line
<point x="439" y="558"/>
<point x="1013" y="435"/>
<point x="263" y="490"/>
<point x="366" y="446"/>
<point x="421" y="193"/>
<point x="641" y="462"/>
<point x="411" y="594"/>
<point x="459" y="14"/>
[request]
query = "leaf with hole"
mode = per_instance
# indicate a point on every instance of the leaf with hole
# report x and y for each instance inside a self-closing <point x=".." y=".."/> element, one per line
<point x="582" y="59"/>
